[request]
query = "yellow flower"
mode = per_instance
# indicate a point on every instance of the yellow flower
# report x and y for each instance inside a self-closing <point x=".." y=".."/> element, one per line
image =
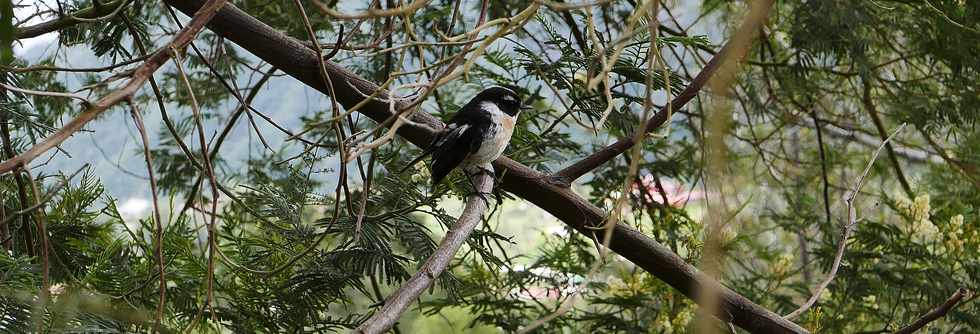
<point x="871" y="301"/>
<point x="826" y="296"/>
<point x="904" y="205"/>
<point x="56" y="289"/>
<point x="920" y="209"/>
<point x="956" y="223"/>
<point x="783" y="263"/>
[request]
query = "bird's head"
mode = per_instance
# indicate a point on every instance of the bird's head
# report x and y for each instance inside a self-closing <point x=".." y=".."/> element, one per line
<point x="507" y="100"/>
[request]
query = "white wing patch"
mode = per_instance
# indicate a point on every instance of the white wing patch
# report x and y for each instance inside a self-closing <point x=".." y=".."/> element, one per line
<point x="455" y="130"/>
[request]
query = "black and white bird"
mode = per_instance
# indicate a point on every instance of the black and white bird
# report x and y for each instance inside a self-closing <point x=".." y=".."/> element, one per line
<point x="476" y="135"/>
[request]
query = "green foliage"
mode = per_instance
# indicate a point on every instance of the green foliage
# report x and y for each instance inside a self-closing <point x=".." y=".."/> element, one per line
<point x="290" y="251"/>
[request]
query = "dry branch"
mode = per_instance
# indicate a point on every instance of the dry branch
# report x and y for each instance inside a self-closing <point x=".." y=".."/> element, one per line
<point x="293" y="58"/>
<point x="382" y="320"/>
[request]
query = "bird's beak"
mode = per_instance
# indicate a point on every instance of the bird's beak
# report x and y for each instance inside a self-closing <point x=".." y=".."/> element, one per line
<point x="526" y="107"/>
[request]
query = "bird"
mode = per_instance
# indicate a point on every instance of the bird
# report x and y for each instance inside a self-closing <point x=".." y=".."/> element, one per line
<point x="475" y="136"/>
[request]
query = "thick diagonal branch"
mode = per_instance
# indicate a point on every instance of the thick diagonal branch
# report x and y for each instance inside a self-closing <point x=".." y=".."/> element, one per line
<point x="289" y="55"/>
<point x="734" y="50"/>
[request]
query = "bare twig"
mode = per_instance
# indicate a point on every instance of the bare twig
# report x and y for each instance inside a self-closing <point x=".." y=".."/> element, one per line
<point x="846" y="228"/>
<point x="382" y="320"/>
<point x="8" y="150"/>
<point x="372" y="12"/>
<point x="157" y="220"/>
<point x="42" y="231"/>
<point x="44" y="93"/>
<point x="209" y="170"/>
<point x="936" y="313"/>
<point x="873" y="112"/>
<point x="5" y="239"/>
<point x="72" y="69"/>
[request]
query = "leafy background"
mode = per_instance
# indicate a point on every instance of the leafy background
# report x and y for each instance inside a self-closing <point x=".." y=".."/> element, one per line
<point x="817" y="62"/>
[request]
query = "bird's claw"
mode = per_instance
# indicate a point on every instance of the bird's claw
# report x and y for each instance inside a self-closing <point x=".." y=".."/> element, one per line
<point x="484" y="171"/>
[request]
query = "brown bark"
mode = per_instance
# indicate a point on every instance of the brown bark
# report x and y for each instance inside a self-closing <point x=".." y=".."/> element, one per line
<point x="936" y="313"/>
<point x="289" y="55"/>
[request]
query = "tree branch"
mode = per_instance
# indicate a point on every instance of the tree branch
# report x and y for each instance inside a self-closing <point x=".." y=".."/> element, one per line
<point x="289" y="55"/>
<point x="936" y="313"/>
<point x="395" y="305"/>
<point x="873" y="112"/>
<point x="8" y="150"/>
<point x="140" y="76"/>
<point x="734" y="50"/>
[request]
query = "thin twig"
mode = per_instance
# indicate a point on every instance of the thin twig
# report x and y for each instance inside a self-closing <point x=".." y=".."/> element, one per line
<point x="866" y="98"/>
<point x="157" y="220"/>
<point x="209" y="170"/>
<point x="42" y="230"/>
<point x="68" y="20"/>
<point x="372" y="12"/>
<point x="45" y="93"/>
<point x="71" y="69"/>
<point x="8" y="150"/>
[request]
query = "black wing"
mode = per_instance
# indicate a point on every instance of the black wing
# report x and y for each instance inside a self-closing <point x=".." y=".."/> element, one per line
<point x="461" y="137"/>
<point x="453" y="148"/>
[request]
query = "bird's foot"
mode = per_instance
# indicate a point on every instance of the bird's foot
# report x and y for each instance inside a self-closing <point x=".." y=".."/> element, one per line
<point x="484" y="171"/>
